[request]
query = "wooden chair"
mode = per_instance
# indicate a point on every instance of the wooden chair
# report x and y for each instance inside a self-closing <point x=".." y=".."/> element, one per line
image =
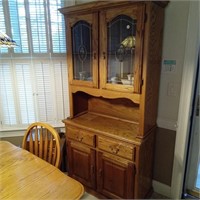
<point x="43" y="140"/>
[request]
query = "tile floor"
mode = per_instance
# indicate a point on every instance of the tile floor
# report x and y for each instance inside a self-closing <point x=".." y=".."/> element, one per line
<point x="88" y="196"/>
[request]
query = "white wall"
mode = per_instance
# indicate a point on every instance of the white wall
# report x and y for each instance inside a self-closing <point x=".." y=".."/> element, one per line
<point x="175" y="27"/>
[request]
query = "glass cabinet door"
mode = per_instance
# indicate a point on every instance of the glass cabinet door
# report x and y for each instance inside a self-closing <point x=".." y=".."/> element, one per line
<point x="83" y="58"/>
<point x="121" y="50"/>
<point x="82" y="51"/>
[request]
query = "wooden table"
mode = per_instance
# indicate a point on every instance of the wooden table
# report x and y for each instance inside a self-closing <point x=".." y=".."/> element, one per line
<point x="26" y="176"/>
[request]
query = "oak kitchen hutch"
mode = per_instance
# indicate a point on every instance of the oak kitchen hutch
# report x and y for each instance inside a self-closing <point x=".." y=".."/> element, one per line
<point x="114" y="60"/>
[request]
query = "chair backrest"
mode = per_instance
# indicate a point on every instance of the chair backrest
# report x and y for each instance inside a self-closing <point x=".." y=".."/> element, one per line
<point x="43" y="140"/>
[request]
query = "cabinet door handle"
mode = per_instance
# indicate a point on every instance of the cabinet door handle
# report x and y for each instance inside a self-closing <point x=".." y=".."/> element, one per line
<point x="92" y="169"/>
<point x="100" y="172"/>
<point x="104" y="55"/>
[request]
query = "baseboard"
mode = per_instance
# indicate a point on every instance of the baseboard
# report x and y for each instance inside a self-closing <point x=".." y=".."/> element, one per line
<point x="162" y="188"/>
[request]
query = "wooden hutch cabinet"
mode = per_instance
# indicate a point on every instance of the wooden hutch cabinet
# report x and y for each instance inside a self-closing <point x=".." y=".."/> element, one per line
<point x="114" y="62"/>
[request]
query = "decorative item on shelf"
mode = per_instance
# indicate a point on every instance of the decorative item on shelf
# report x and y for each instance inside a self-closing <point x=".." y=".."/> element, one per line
<point x="126" y="48"/>
<point x="128" y="81"/>
<point x="120" y="53"/>
<point x="130" y="76"/>
<point x="114" y="79"/>
<point x="83" y="75"/>
<point x="6" y="41"/>
<point x="128" y="42"/>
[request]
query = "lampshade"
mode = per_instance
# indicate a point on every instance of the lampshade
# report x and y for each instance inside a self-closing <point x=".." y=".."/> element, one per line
<point x="6" y="41"/>
<point x="129" y="42"/>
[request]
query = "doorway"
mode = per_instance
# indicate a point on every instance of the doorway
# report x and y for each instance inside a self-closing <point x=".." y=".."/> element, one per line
<point x="191" y="188"/>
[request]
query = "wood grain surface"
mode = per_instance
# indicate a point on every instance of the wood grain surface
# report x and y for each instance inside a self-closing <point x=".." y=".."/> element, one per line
<point x="25" y="176"/>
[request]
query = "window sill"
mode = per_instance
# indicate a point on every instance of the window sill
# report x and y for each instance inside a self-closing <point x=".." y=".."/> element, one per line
<point x="17" y="132"/>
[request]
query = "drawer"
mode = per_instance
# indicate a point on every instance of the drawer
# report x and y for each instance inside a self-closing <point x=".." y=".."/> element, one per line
<point x="116" y="147"/>
<point x="81" y="136"/>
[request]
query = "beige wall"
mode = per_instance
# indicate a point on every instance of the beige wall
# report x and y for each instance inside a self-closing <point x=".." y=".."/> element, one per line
<point x="163" y="155"/>
<point x="175" y="28"/>
<point x="14" y="140"/>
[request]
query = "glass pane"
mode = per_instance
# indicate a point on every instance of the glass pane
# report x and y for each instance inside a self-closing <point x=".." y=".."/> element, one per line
<point x="82" y="51"/>
<point x="38" y="26"/>
<point x="2" y="25"/>
<point x="57" y="26"/>
<point x="18" y="21"/>
<point x="121" y="50"/>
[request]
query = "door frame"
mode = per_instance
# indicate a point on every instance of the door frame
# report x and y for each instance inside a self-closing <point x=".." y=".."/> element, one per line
<point x="186" y="98"/>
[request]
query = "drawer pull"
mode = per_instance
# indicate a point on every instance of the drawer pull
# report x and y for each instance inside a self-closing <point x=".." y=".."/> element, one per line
<point x="114" y="150"/>
<point x="80" y="139"/>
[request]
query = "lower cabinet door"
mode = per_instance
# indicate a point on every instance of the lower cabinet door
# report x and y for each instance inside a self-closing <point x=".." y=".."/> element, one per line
<point x="115" y="176"/>
<point x="81" y="163"/>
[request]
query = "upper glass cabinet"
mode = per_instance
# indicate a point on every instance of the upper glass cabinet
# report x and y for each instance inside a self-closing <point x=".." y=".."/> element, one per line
<point x="121" y="50"/>
<point x="121" y="39"/>
<point x="83" y="50"/>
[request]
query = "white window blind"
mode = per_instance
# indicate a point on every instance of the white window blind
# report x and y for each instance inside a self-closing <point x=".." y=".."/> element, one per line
<point x="33" y="92"/>
<point x="57" y="30"/>
<point x="8" y="108"/>
<point x="2" y="25"/>
<point x="18" y="22"/>
<point x="38" y="24"/>
<point x="24" y="89"/>
<point x="33" y="76"/>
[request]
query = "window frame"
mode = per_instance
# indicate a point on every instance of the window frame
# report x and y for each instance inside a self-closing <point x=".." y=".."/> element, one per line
<point x="30" y="57"/>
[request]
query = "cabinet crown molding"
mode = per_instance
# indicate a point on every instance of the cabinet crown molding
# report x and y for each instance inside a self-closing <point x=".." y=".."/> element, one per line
<point x="96" y="5"/>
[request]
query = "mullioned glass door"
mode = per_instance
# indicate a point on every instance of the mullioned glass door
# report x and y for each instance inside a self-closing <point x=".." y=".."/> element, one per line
<point x="121" y="53"/>
<point x="83" y="51"/>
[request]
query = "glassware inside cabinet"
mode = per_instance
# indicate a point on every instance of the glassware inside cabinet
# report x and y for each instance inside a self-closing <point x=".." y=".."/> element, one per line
<point x="82" y="51"/>
<point x="121" y="50"/>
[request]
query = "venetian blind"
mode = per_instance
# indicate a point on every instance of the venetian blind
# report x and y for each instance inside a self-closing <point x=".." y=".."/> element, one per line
<point x="33" y="76"/>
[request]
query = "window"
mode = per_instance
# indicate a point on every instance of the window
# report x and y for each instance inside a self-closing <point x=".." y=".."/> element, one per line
<point x="33" y="76"/>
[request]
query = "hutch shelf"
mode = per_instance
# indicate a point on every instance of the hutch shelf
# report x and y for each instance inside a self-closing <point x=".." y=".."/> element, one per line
<point x="114" y="61"/>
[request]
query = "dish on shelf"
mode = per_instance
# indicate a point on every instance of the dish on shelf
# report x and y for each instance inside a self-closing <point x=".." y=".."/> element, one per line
<point x="126" y="81"/>
<point x="115" y="80"/>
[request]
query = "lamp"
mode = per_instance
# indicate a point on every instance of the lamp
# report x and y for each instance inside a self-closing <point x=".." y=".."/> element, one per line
<point x="6" y="41"/>
<point x="128" y="42"/>
<point x="126" y="47"/>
